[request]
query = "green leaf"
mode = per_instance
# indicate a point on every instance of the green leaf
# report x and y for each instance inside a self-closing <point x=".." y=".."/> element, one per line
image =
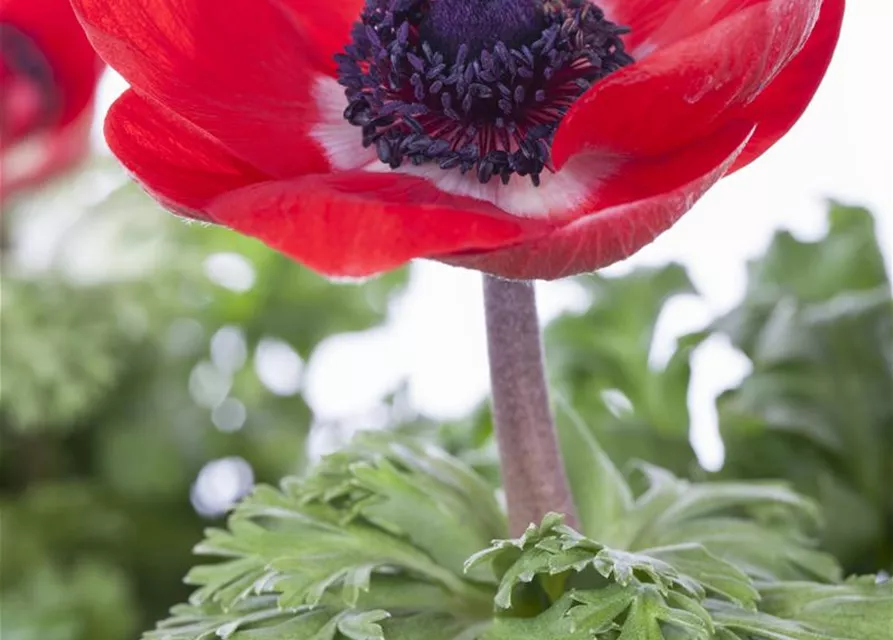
<point x="599" y="361"/>
<point x="553" y="624"/>
<point x="817" y="410"/>
<point x="414" y="491"/>
<point x="601" y="493"/>
<point x="602" y="607"/>
<point x="847" y="259"/>
<point x="646" y="588"/>
<point x="760" y="527"/>
<point x="431" y="626"/>
<point x="757" y="527"/>
<point x="322" y="559"/>
<point x="716" y="576"/>
<point x="255" y="618"/>
<point x="859" y="608"/>
<point x="362" y="625"/>
<point x="744" y="624"/>
<point x="354" y="536"/>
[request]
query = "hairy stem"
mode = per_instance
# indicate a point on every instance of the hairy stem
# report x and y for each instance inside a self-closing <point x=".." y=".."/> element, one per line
<point x="532" y="471"/>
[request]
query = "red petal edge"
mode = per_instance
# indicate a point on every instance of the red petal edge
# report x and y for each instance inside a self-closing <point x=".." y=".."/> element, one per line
<point x="612" y="234"/>
<point x="357" y="223"/>
<point x="779" y="107"/>
<point x="689" y="89"/>
<point x="179" y="164"/>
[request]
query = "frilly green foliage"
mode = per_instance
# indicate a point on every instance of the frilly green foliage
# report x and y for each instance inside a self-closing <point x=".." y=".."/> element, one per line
<point x="373" y="539"/>
<point x="50" y="380"/>
<point x="390" y="539"/>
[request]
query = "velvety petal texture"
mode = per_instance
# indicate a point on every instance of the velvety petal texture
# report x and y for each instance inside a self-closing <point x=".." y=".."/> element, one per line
<point x="238" y="70"/>
<point x="357" y="223"/>
<point x="620" y="229"/>
<point x="178" y="163"/>
<point x="48" y="77"/>
<point x="231" y="119"/>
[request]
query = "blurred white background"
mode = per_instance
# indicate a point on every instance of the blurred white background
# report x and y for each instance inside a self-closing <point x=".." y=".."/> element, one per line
<point x="842" y="148"/>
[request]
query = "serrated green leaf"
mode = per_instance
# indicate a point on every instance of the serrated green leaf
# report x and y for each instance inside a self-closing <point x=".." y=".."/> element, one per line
<point x="755" y="624"/>
<point x="758" y="528"/>
<point x="625" y="567"/>
<point x="431" y="626"/>
<point x="602" y="607"/>
<point x="762" y="552"/>
<point x="716" y="576"/>
<point x="411" y="491"/>
<point x="353" y="536"/>
<point x="642" y="621"/>
<point x="858" y="609"/>
<point x="639" y="594"/>
<point x="552" y="624"/>
<point x="362" y="625"/>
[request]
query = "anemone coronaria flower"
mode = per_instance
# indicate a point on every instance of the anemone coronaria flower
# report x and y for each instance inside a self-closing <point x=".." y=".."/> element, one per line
<point x="48" y="76"/>
<point x="524" y="138"/>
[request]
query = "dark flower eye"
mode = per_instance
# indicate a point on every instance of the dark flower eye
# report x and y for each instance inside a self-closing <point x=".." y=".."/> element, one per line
<point x="473" y="85"/>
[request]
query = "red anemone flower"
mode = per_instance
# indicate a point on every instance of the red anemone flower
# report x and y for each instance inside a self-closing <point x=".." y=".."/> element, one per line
<point x="48" y="75"/>
<point x="523" y="138"/>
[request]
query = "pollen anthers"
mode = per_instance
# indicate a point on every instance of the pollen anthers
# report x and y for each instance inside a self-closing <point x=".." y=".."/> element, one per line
<point x="441" y="81"/>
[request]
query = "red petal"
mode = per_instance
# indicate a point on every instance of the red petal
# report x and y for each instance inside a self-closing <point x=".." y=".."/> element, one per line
<point x="52" y="26"/>
<point x="611" y="234"/>
<point x="359" y="223"/>
<point x="778" y="107"/>
<point x="179" y="164"/>
<point x="325" y="25"/>
<point x="236" y="69"/>
<point x="687" y="90"/>
<point x="644" y="17"/>
<point x="658" y="23"/>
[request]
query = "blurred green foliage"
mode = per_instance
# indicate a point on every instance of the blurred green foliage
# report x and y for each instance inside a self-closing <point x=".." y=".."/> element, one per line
<point x="817" y="409"/>
<point x="599" y="361"/>
<point x="129" y="363"/>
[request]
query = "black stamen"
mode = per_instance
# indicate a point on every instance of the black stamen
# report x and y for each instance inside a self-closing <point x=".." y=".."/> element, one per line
<point x="473" y="84"/>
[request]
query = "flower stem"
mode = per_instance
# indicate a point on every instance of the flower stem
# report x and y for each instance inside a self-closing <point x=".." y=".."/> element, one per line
<point x="532" y="471"/>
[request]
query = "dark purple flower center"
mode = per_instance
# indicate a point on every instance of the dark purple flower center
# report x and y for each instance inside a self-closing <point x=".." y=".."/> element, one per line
<point x="478" y="85"/>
